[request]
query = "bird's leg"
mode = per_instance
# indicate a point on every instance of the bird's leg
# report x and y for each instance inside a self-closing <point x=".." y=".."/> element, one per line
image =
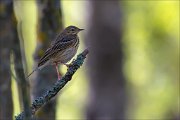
<point x="57" y="69"/>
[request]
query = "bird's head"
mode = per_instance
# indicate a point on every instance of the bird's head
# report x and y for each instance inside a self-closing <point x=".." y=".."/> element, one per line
<point x="72" y="30"/>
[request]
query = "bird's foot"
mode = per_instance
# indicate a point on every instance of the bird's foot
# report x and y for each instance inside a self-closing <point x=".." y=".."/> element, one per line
<point x="67" y="65"/>
<point x="73" y="60"/>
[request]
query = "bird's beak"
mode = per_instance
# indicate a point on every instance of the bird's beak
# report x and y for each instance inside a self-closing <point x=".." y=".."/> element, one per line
<point x="81" y="29"/>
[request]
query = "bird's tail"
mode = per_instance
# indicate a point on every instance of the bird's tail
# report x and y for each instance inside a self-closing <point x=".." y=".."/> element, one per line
<point x="32" y="72"/>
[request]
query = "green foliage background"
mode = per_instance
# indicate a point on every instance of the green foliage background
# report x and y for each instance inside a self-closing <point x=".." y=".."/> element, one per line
<point x="152" y="52"/>
<point x="151" y="47"/>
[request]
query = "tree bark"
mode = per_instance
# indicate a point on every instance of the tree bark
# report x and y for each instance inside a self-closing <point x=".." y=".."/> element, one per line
<point x="6" y="36"/>
<point x="23" y="84"/>
<point x="107" y="97"/>
<point x="50" y="23"/>
<point x="53" y="91"/>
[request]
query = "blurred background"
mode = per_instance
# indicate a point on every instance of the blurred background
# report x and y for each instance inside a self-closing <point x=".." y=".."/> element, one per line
<point x="131" y="72"/>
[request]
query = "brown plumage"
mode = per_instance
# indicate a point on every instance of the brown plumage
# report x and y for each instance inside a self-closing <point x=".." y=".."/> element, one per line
<point x="62" y="49"/>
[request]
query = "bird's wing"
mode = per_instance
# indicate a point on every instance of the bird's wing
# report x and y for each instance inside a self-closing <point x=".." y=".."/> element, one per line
<point x="63" y="43"/>
<point x="58" y="46"/>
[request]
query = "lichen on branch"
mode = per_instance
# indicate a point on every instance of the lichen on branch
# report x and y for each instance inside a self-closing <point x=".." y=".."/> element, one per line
<point x="40" y="101"/>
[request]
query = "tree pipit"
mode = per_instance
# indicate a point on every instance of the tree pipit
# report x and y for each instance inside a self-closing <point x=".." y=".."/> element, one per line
<point x="61" y="50"/>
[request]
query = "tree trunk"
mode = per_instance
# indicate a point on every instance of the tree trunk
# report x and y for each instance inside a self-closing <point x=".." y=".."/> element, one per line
<point x="50" y="23"/>
<point x="6" y="36"/>
<point x="107" y="97"/>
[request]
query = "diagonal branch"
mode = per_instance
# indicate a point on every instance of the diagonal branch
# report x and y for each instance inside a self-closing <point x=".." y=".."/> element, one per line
<point x="39" y="102"/>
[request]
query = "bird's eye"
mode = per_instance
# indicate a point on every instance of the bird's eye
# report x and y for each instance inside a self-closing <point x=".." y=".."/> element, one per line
<point x="72" y="29"/>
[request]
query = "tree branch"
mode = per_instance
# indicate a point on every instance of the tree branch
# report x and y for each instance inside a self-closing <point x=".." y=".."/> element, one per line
<point x="39" y="102"/>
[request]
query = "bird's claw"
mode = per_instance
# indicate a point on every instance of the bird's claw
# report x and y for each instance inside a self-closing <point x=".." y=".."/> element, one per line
<point x="73" y="60"/>
<point x="68" y="65"/>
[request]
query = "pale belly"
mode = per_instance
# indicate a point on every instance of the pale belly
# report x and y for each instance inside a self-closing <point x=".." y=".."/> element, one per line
<point x="67" y="55"/>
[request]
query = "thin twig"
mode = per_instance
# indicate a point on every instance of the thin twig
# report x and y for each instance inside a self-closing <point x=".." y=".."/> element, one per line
<point x="39" y="102"/>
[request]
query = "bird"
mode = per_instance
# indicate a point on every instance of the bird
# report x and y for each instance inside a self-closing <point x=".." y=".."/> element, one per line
<point x="61" y="51"/>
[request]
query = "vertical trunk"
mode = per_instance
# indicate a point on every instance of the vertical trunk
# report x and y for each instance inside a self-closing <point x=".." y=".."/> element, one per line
<point x="50" y="23"/>
<point x="23" y="84"/>
<point x="107" y="84"/>
<point x="20" y="66"/>
<point x="6" y="36"/>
